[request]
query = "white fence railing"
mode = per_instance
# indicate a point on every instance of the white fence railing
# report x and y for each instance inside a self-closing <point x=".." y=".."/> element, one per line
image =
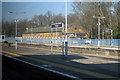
<point x="103" y="42"/>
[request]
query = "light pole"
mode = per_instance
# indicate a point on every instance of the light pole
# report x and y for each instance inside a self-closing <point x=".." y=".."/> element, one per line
<point x="31" y="34"/>
<point x="66" y="41"/>
<point x="98" y="28"/>
<point x="16" y="20"/>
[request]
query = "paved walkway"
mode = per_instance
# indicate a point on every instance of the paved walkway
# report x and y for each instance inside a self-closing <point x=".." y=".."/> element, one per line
<point x="75" y="45"/>
<point x="74" y="63"/>
<point x="89" y="59"/>
<point x="37" y="46"/>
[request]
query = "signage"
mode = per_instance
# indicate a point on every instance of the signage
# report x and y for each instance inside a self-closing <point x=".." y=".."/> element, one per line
<point x="107" y="30"/>
<point x="57" y="25"/>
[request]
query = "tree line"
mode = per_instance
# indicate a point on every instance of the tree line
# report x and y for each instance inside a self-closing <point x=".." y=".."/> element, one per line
<point x="82" y="18"/>
<point x="85" y="11"/>
<point x="8" y="27"/>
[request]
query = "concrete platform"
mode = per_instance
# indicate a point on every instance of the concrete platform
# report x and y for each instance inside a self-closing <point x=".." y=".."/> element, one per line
<point x="93" y="50"/>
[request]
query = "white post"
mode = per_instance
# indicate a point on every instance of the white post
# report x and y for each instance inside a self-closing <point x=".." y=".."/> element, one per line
<point x="56" y="35"/>
<point x="98" y="28"/>
<point x="66" y="21"/>
<point x="51" y="41"/>
<point x="9" y="12"/>
<point x="56" y="39"/>
<point x="63" y="39"/>
<point x="103" y="34"/>
<point x="66" y="42"/>
<point x="31" y="35"/>
<point x="111" y="37"/>
<point x="103" y="37"/>
<point x="98" y="31"/>
<point x="111" y="34"/>
<point x="16" y="32"/>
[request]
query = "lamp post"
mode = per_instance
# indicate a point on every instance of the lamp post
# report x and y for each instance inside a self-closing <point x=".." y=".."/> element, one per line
<point x="31" y="34"/>
<point x="98" y="28"/>
<point x="66" y="41"/>
<point x="16" y="20"/>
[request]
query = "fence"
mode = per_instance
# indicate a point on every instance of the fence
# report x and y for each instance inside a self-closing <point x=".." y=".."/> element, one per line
<point x="103" y="42"/>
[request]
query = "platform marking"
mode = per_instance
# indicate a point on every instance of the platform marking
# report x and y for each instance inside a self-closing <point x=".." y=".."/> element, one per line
<point x="10" y="53"/>
<point x="47" y="69"/>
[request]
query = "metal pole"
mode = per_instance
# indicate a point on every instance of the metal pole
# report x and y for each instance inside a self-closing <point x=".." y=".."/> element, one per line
<point x="9" y="12"/>
<point x="63" y="40"/>
<point x="98" y="31"/>
<point x="56" y="35"/>
<point x="51" y="41"/>
<point x="98" y="28"/>
<point x="56" y="39"/>
<point x="66" y="42"/>
<point x="111" y="37"/>
<point x="16" y="33"/>
<point x="111" y="34"/>
<point x="103" y="34"/>
<point x="103" y="37"/>
<point x="31" y="35"/>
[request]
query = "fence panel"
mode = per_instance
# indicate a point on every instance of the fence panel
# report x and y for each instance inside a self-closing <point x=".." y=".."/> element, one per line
<point x="103" y="42"/>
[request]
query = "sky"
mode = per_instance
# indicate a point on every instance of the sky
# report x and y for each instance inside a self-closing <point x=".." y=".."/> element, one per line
<point x="61" y="0"/>
<point x="33" y="8"/>
<point x="36" y="7"/>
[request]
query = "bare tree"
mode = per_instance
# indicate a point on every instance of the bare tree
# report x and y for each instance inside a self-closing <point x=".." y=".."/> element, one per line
<point x="58" y="19"/>
<point x="86" y="11"/>
<point x="49" y="17"/>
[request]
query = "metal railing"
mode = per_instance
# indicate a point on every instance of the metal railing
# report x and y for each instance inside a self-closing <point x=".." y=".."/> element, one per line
<point x="103" y="42"/>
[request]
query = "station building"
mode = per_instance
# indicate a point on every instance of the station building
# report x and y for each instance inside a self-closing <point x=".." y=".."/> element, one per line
<point x="45" y="32"/>
<point x="42" y="32"/>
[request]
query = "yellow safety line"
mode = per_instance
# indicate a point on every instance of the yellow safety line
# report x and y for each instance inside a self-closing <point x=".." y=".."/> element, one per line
<point x="10" y="53"/>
